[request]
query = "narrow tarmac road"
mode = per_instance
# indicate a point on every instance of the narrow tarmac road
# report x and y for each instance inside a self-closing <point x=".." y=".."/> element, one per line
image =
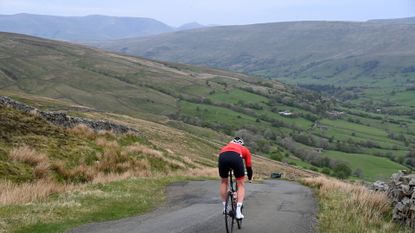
<point x="194" y="207"/>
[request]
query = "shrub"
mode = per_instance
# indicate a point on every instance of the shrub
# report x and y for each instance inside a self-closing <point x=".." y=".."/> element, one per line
<point x="326" y="171"/>
<point x="358" y="172"/>
<point x="275" y="155"/>
<point x="314" y="169"/>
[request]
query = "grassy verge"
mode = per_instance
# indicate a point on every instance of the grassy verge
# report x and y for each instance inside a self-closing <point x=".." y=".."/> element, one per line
<point x="91" y="203"/>
<point x="350" y="208"/>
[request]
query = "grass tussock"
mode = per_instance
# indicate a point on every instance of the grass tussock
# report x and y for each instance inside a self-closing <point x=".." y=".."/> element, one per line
<point x="102" y="178"/>
<point x="346" y="207"/>
<point x="27" y="155"/>
<point x="11" y="193"/>
<point x="83" y="131"/>
<point x="109" y="145"/>
<point x="106" y="133"/>
<point x="42" y="170"/>
<point x="142" y="149"/>
<point x="210" y="172"/>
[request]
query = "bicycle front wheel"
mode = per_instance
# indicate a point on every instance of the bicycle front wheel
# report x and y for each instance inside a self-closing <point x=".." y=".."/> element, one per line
<point x="230" y="213"/>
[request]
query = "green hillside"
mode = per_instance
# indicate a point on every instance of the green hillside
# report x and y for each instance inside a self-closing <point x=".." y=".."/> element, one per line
<point x="368" y="60"/>
<point x="196" y="99"/>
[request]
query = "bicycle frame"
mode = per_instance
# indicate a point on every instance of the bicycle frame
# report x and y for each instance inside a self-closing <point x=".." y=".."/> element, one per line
<point x="232" y="187"/>
<point x="231" y="213"/>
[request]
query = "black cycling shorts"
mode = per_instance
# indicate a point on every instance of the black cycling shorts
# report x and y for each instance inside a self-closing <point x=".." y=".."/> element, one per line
<point x="231" y="160"/>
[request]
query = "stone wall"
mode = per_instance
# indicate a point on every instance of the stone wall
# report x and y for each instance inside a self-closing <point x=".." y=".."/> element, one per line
<point x="62" y="119"/>
<point x="401" y="193"/>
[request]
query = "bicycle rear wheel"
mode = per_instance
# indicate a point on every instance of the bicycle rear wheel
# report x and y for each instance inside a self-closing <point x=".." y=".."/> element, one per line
<point x="230" y="213"/>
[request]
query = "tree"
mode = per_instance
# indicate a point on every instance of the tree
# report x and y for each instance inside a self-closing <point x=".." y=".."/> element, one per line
<point x="342" y="171"/>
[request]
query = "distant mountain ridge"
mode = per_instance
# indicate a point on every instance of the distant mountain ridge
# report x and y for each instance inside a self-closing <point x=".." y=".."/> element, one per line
<point x="83" y="28"/>
<point x="189" y="26"/>
<point x="89" y="28"/>
<point x="409" y="20"/>
<point x="368" y="54"/>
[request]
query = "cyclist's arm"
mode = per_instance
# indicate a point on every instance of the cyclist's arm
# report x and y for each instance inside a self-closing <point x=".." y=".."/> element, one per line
<point x="250" y="172"/>
<point x="248" y="163"/>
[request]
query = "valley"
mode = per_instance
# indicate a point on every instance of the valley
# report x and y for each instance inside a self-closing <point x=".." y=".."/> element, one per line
<point x="368" y="64"/>
<point x="115" y="123"/>
<point x="318" y="133"/>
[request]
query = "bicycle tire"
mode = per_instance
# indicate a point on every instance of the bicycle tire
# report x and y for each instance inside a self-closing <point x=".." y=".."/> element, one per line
<point x="229" y="213"/>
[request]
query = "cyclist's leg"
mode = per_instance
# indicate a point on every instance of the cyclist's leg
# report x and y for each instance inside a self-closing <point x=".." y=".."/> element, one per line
<point x="239" y="171"/>
<point x="223" y="166"/>
<point x="223" y="188"/>
<point x="241" y="189"/>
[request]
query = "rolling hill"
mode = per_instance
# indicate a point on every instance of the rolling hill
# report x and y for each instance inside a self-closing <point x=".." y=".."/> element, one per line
<point x="367" y="59"/>
<point x="277" y="121"/>
<point x="81" y="29"/>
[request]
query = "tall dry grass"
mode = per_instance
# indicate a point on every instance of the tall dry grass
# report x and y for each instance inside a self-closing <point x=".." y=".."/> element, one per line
<point x="142" y="149"/>
<point x="145" y="150"/>
<point x="114" y="163"/>
<point x="346" y="207"/>
<point x="107" y="144"/>
<point x="211" y="172"/>
<point x="27" y="155"/>
<point x="11" y="193"/>
<point x="83" y="131"/>
<point x="42" y="170"/>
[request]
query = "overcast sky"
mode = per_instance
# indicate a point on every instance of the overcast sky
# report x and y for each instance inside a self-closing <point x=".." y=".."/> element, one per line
<point x="224" y="12"/>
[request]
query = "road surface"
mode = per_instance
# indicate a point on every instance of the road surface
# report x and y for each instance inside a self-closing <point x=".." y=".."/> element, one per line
<point x="194" y="207"/>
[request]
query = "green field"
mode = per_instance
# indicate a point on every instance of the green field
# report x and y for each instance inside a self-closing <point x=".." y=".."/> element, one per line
<point x="374" y="168"/>
<point x="236" y="95"/>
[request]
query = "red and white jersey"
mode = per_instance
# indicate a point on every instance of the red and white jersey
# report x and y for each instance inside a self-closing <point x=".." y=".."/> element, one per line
<point x="238" y="148"/>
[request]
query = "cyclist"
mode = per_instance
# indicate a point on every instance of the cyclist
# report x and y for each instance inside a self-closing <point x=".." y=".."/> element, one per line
<point x="230" y="157"/>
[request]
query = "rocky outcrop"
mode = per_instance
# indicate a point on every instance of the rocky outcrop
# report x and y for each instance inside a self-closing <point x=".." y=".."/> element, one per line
<point x="379" y="186"/>
<point x="401" y="192"/>
<point x="62" y="119"/>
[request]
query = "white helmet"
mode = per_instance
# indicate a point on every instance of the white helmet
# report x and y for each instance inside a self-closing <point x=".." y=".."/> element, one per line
<point x="238" y="140"/>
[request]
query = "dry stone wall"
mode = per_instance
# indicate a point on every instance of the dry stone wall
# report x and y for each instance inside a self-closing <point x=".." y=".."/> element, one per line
<point x="62" y="119"/>
<point x="401" y="192"/>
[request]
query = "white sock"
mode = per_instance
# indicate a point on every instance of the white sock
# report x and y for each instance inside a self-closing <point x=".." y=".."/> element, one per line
<point x="238" y="207"/>
<point x="238" y="210"/>
<point x="224" y="205"/>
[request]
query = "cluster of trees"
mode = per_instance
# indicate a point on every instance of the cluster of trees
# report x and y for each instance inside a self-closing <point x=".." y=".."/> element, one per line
<point x="195" y="120"/>
<point x="348" y="146"/>
<point x="399" y="137"/>
<point x="410" y="158"/>
<point x="258" y="140"/>
<point x="332" y="167"/>
<point x="344" y="94"/>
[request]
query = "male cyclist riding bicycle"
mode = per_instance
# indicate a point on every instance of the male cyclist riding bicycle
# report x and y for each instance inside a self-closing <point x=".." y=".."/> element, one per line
<point x="230" y="157"/>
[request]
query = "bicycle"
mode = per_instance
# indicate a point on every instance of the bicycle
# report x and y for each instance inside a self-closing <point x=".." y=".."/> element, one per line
<point x="230" y="206"/>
